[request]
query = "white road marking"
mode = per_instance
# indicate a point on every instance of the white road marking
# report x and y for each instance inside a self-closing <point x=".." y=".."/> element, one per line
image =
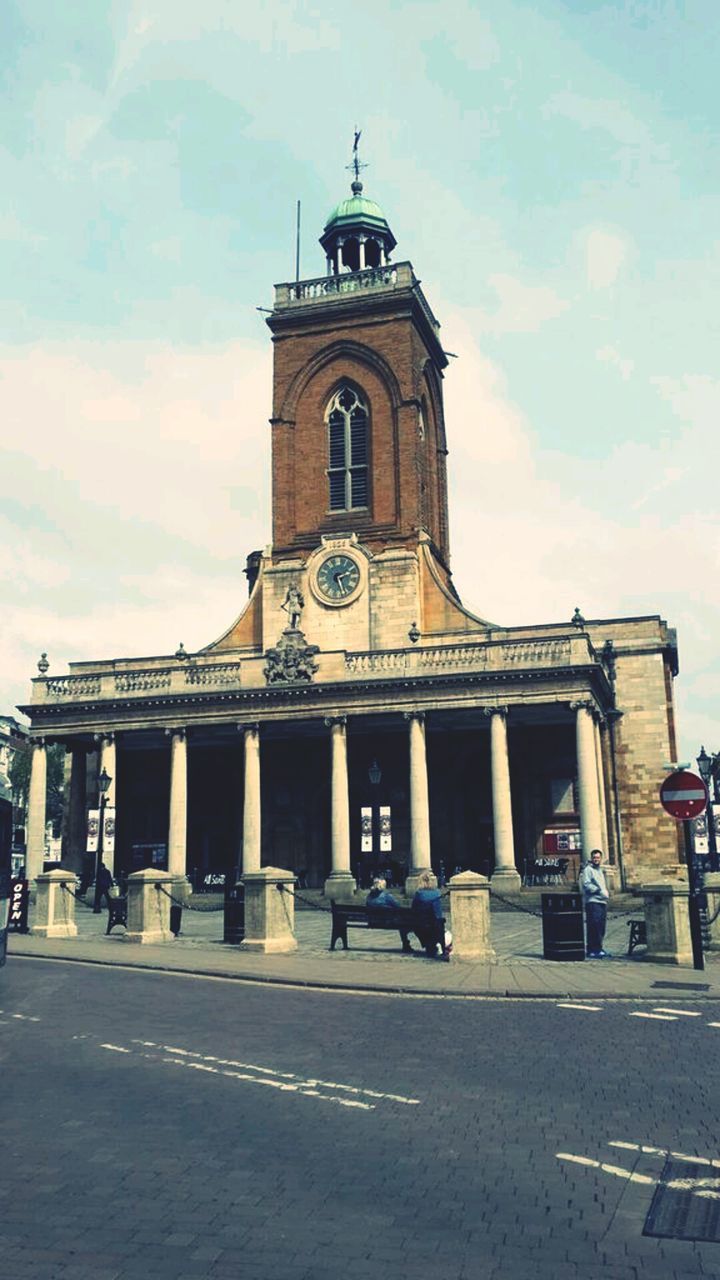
<point x="615" y="1169"/>
<point x="665" y="1152"/>
<point x="251" y="1073"/>
<point x="714" y="1024"/>
<point x="590" y="1008"/>
<point x="280" y="1075"/>
<point x="679" y="1013"/>
<point x="22" y="1017"/>
<point x="708" y="1188"/>
<point x="659" y="1017"/>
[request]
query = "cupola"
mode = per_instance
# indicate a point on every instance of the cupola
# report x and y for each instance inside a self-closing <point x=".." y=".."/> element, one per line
<point x="356" y="235"/>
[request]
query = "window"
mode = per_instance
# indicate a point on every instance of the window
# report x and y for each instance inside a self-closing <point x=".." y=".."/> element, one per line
<point x="347" y="421"/>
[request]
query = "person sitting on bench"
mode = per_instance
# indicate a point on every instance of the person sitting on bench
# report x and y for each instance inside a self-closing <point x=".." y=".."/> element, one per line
<point x="379" y="899"/>
<point x="429" y="924"/>
<point x="379" y="896"/>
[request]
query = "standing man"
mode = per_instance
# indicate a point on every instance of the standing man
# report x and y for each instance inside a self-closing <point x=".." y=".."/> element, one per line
<point x="595" y="893"/>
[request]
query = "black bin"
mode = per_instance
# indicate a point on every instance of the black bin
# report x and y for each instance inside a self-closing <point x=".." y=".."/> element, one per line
<point x="563" y="931"/>
<point x="234" y="919"/>
<point x="175" y="918"/>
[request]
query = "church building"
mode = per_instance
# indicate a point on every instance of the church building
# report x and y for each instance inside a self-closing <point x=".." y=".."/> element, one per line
<point x="356" y="715"/>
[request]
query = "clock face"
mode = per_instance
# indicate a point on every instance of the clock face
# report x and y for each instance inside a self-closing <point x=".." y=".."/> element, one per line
<point x="338" y="578"/>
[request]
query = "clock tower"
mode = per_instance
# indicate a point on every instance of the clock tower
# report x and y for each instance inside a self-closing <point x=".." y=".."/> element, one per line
<point x="359" y="483"/>
<point x="358" y="426"/>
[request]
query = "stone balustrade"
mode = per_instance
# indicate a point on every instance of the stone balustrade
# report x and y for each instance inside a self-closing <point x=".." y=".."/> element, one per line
<point x="196" y="674"/>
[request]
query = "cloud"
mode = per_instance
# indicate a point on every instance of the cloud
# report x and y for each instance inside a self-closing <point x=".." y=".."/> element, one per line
<point x="133" y="482"/>
<point x="605" y="253"/>
<point x="534" y="532"/>
<point x="523" y="308"/>
<point x="609" y="355"/>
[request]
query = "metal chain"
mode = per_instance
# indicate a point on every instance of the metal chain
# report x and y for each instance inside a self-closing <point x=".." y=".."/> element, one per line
<point x="76" y="896"/>
<point x="187" y="906"/>
<point x="299" y="898"/>
<point x="515" y="906"/>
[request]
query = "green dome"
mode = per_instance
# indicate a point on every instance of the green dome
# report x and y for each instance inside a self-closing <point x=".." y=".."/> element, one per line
<point x="357" y="209"/>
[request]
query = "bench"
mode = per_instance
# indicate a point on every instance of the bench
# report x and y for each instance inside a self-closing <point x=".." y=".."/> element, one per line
<point x="638" y="935"/>
<point x="400" y="919"/>
<point x="117" y="912"/>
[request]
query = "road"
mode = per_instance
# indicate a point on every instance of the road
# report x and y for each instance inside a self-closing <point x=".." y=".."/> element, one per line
<point x="159" y="1126"/>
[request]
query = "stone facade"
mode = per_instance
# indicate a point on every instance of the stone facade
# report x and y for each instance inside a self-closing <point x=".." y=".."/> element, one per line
<point x="356" y="715"/>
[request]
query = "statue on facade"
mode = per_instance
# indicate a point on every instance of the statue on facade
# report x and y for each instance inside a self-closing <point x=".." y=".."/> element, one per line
<point x="293" y="604"/>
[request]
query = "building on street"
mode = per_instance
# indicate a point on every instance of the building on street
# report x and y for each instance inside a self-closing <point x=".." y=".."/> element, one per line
<point x="356" y="714"/>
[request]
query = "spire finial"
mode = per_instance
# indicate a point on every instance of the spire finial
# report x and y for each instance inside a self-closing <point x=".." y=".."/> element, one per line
<point x="356" y="164"/>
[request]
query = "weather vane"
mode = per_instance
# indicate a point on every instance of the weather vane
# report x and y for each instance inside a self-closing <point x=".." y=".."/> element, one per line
<point x="356" y="164"/>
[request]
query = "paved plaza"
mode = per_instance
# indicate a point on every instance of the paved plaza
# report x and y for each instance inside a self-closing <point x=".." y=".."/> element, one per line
<point x="374" y="960"/>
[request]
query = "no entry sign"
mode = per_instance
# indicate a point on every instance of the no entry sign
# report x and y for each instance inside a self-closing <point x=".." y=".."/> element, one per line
<point x="683" y="795"/>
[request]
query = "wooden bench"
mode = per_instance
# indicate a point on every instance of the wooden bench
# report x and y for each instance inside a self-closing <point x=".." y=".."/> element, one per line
<point x="399" y="919"/>
<point x="117" y="912"/>
<point x="638" y="935"/>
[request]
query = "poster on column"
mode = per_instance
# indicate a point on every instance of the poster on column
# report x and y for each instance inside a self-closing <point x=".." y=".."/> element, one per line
<point x="93" y="830"/>
<point x="109" y="830"/>
<point x="385" y="829"/>
<point x="366" y="842"/>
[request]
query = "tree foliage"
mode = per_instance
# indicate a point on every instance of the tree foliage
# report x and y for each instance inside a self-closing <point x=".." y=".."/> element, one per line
<point x="19" y="775"/>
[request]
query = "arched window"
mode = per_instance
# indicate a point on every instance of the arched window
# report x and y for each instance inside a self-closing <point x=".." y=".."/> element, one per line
<point x="347" y="419"/>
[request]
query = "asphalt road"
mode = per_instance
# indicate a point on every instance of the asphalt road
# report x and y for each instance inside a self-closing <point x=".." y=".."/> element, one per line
<point x="162" y="1126"/>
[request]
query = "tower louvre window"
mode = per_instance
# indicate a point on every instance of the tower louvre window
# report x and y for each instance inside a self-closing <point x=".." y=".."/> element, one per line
<point x="347" y="420"/>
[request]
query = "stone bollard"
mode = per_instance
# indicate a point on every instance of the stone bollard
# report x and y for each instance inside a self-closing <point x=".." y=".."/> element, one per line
<point x="470" y="917"/>
<point x="55" y="905"/>
<point x="668" y="923"/>
<point x="269" y="911"/>
<point x="712" y="888"/>
<point x="148" y="918"/>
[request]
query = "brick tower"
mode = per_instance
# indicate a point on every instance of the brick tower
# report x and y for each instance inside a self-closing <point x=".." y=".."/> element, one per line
<point x="358" y="427"/>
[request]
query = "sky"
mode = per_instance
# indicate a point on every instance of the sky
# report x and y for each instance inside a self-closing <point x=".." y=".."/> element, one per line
<point x="552" y="170"/>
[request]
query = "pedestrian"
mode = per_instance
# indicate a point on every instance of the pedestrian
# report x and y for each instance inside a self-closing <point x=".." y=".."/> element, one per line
<point x="104" y="882"/>
<point x="379" y="896"/>
<point x="595" y="894"/>
<point x="380" y="900"/>
<point x="428" y="917"/>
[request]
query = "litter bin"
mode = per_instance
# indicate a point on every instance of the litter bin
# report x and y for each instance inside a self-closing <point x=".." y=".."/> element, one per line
<point x="234" y="920"/>
<point x="563" y="926"/>
<point x="175" y="918"/>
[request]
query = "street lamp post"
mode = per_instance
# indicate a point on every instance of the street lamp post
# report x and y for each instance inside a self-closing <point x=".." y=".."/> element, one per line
<point x="104" y="781"/>
<point x="707" y="766"/>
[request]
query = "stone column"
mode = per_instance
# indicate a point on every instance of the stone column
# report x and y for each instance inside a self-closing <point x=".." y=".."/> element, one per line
<point x="505" y="875"/>
<point x="252" y="828"/>
<point x="470" y="917"/>
<point x="668" y="924"/>
<point x="107" y="760"/>
<point x="361" y="252"/>
<point x="420" y="854"/>
<point x="55" y="905"/>
<point x="605" y="846"/>
<point x="269" y="911"/>
<point x="177" y="825"/>
<point x="590" y="823"/>
<point x="148" y="918"/>
<point x="37" y="800"/>
<point x="77" y="813"/>
<point x="340" y="883"/>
